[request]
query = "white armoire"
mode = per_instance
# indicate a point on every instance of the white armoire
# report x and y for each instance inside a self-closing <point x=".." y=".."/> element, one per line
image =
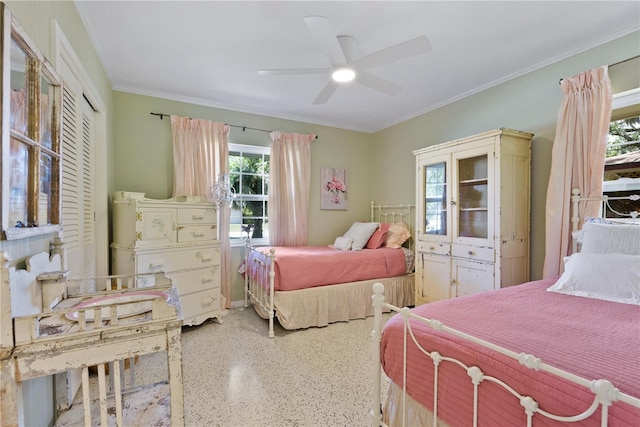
<point x="472" y="214"/>
<point x="177" y="236"/>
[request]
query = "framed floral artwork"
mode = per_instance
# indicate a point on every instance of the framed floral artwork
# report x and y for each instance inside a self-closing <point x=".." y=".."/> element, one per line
<point x="334" y="189"/>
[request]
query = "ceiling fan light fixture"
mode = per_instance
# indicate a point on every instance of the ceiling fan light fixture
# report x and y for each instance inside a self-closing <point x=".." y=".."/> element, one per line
<point x="343" y="75"/>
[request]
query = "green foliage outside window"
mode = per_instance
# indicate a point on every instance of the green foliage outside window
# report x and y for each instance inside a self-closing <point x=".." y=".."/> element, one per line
<point x="624" y="137"/>
<point x="249" y="176"/>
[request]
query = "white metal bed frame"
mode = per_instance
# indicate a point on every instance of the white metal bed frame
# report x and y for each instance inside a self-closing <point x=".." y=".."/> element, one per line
<point x="255" y="293"/>
<point x="605" y="393"/>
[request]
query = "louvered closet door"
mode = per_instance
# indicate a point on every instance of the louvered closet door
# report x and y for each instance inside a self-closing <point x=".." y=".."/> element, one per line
<point x="78" y="229"/>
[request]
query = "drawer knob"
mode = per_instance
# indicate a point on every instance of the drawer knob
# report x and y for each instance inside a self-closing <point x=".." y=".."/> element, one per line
<point x="206" y="280"/>
<point x="197" y="217"/>
<point x="208" y="301"/>
<point x="155" y="267"/>
<point x="432" y="248"/>
<point x="197" y="235"/>
<point x="471" y="253"/>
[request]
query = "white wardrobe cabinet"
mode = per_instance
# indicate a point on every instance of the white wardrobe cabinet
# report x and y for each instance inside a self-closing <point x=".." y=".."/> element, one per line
<point x="177" y="236"/>
<point x="472" y="214"/>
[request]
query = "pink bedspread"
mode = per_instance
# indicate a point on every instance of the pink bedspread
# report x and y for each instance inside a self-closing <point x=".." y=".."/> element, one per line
<point x="592" y="338"/>
<point x="301" y="267"/>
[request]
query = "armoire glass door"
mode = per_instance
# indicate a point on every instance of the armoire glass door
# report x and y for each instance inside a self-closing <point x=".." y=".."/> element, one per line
<point x="473" y="197"/>
<point x="435" y="198"/>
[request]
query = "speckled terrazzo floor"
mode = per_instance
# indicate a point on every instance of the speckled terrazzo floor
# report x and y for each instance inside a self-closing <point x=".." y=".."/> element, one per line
<point x="234" y="375"/>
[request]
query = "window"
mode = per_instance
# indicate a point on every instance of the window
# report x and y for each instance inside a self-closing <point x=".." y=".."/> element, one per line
<point x="249" y="177"/>
<point x="31" y="174"/>
<point x="622" y="162"/>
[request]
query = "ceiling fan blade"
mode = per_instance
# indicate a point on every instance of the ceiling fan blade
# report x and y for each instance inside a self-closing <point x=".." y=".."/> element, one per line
<point x="324" y="34"/>
<point x="289" y="71"/>
<point x="326" y="93"/>
<point x="378" y="83"/>
<point x="408" y="49"/>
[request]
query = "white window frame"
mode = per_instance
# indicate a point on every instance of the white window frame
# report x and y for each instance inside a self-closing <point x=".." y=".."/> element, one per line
<point x="250" y="149"/>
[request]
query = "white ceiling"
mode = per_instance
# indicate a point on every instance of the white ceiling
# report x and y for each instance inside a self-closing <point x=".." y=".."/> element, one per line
<point x="208" y="52"/>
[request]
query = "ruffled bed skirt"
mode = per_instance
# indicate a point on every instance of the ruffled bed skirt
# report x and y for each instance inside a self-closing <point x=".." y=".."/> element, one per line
<point x="416" y="414"/>
<point x="323" y="305"/>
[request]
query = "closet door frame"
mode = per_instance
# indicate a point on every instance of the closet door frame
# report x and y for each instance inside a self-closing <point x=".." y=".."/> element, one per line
<point x="64" y="54"/>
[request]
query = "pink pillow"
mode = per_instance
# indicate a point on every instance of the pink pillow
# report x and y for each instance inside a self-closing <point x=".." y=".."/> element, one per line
<point x="398" y="234"/>
<point x="378" y="237"/>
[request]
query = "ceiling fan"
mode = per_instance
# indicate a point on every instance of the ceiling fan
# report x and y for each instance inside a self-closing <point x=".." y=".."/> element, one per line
<point x="345" y="65"/>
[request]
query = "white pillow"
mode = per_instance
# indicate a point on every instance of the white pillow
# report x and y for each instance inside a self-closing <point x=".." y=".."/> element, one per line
<point x="342" y="243"/>
<point x="610" y="277"/>
<point x="360" y="232"/>
<point x="610" y="239"/>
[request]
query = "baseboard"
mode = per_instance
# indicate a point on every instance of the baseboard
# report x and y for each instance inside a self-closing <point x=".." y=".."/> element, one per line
<point x="237" y="304"/>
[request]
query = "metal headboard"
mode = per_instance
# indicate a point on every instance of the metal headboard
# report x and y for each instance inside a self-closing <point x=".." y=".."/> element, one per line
<point x="395" y="213"/>
<point x="606" y="209"/>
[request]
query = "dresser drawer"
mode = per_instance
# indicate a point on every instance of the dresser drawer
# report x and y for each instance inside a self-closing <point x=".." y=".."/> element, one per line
<point x="433" y="248"/>
<point x="196" y="233"/>
<point x="175" y="260"/>
<point x="473" y="252"/>
<point x="200" y="302"/>
<point x="196" y="216"/>
<point x="191" y="281"/>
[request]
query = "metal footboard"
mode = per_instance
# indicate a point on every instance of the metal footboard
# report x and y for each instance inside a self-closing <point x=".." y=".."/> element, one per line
<point x="604" y="392"/>
<point x="259" y="277"/>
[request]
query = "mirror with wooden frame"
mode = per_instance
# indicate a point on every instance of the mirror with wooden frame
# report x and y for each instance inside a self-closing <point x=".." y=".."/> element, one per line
<point x="31" y="156"/>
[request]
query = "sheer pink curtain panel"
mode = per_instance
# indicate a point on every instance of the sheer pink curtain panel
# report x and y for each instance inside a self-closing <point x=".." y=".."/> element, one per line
<point x="577" y="158"/>
<point x="200" y="154"/>
<point x="289" y="187"/>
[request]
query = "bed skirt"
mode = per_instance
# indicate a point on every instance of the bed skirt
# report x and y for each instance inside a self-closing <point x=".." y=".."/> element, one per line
<point x="416" y="414"/>
<point x="323" y="305"/>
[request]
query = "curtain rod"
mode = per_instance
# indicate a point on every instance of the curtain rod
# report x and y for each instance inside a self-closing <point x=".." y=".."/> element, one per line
<point x="615" y="63"/>
<point x="244" y="128"/>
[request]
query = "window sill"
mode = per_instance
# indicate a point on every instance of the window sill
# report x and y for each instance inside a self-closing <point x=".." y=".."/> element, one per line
<point x="237" y="243"/>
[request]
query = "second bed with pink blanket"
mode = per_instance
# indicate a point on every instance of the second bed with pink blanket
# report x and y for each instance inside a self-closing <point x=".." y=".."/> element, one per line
<point x="301" y="267"/>
<point x="308" y="286"/>
<point x="591" y="338"/>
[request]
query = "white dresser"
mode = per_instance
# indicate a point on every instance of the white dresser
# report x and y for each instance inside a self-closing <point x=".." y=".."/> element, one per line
<point x="472" y="215"/>
<point x="177" y="236"/>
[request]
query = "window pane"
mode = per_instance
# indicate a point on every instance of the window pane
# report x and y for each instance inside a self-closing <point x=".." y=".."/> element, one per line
<point x="44" y="198"/>
<point x="252" y="163"/>
<point x="251" y="184"/>
<point x="234" y="180"/>
<point x="258" y="227"/>
<point x="18" y="89"/>
<point x="18" y="180"/>
<point x="235" y="162"/>
<point x="253" y="209"/>
<point x="46" y="112"/>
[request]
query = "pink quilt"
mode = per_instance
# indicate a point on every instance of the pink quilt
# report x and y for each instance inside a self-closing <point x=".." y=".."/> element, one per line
<point x="301" y="267"/>
<point x="591" y="338"/>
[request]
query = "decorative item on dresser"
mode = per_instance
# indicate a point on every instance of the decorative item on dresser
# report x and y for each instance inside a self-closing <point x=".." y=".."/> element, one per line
<point x="176" y="236"/>
<point x="472" y="214"/>
<point x="558" y="351"/>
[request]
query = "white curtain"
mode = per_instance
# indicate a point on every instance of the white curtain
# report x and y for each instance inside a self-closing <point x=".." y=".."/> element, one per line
<point x="289" y="187"/>
<point x="577" y="159"/>
<point x="200" y="154"/>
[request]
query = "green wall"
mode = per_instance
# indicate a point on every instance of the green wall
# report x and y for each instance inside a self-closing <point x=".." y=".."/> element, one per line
<point x="144" y="159"/>
<point x="529" y="103"/>
<point x="36" y="18"/>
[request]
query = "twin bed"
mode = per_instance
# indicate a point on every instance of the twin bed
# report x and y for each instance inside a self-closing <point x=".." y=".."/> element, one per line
<point x="310" y="286"/>
<point x="577" y="339"/>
